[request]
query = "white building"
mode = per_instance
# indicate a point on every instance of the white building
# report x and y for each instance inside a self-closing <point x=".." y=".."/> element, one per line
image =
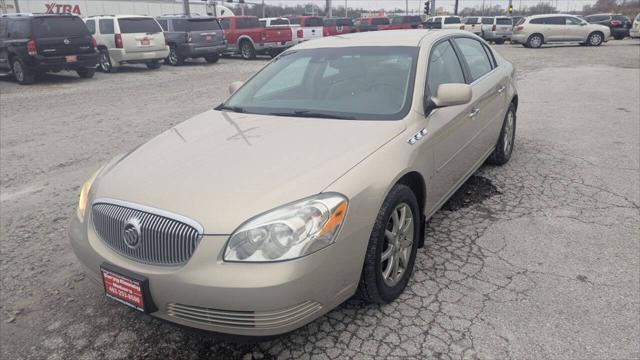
<point x="86" y="8"/>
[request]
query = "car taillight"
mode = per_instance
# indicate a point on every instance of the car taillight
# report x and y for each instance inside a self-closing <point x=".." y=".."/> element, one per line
<point x="493" y="28"/>
<point x="93" y="42"/>
<point x="462" y="27"/>
<point x="519" y="28"/>
<point x="119" y="43"/>
<point x="616" y="22"/>
<point x="300" y="33"/>
<point x="325" y="31"/>
<point x="31" y="47"/>
<point x="263" y="36"/>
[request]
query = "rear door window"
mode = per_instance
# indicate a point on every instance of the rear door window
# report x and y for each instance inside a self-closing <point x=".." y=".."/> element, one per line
<point x="537" y="21"/>
<point x="452" y="20"/>
<point x="138" y="25"/>
<point x="106" y="26"/>
<point x="62" y="26"/>
<point x="572" y="21"/>
<point x="247" y="23"/>
<point x="556" y="20"/>
<point x="475" y="56"/>
<point x="444" y="67"/>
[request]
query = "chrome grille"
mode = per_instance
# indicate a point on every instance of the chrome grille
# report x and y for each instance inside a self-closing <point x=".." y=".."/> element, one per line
<point x="243" y="319"/>
<point x="164" y="240"/>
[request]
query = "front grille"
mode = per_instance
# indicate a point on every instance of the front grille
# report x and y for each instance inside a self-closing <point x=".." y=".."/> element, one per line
<point x="163" y="240"/>
<point x="243" y="319"/>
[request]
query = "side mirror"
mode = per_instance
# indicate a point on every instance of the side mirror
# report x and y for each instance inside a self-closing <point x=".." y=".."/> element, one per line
<point x="234" y="86"/>
<point x="452" y="94"/>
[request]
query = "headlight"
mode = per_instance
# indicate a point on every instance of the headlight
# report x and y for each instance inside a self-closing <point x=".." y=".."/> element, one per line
<point x="84" y="193"/>
<point x="289" y="232"/>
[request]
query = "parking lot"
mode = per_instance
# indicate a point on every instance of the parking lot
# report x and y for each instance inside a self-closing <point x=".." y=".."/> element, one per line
<point x="539" y="259"/>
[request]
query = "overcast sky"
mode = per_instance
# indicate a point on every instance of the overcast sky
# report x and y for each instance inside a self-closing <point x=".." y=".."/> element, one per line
<point x="417" y="5"/>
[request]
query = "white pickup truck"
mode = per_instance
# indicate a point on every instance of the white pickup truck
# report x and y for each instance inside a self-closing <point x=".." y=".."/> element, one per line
<point x="302" y="28"/>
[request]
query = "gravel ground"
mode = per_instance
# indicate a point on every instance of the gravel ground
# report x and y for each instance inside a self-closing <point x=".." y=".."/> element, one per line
<point x="536" y="259"/>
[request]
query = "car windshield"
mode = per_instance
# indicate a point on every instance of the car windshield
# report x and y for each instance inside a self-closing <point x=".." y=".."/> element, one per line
<point x="368" y="83"/>
<point x="62" y="26"/>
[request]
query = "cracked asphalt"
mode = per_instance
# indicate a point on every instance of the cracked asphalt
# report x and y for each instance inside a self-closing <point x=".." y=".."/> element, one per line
<point x="538" y="259"/>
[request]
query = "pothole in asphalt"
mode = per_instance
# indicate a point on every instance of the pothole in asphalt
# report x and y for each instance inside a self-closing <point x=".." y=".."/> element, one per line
<point x="474" y="191"/>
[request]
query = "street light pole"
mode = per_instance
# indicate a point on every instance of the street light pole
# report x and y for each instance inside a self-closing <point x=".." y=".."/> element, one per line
<point x="185" y="7"/>
<point x="346" y="12"/>
<point x="406" y="7"/>
<point x="263" y="10"/>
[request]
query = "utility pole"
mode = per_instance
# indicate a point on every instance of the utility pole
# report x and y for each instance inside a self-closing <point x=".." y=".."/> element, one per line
<point x="433" y="7"/>
<point x="455" y="8"/>
<point x="328" y="11"/>
<point x="406" y="7"/>
<point x="15" y="2"/>
<point x="185" y="7"/>
<point x="263" y="10"/>
<point x="346" y="12"/>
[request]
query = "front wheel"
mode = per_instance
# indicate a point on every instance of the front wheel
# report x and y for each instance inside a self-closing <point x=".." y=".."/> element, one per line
<point x="504" y="147"/>
<point x="392" y="248"/>
<point x="153" y="64"/>
<point x="86" y="73"/>
<point x="104" y="62"/>
<point x="595" y="39"/>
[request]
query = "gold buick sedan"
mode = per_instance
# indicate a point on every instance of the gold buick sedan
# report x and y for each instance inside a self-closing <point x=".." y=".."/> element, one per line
<point x="311" y="183"/>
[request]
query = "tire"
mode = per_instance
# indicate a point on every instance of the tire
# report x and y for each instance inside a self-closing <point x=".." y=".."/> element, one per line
<point x="212" y="59"/>
<point x="535" y="41"/>
<point x="504" y="147"/>
<point x="173" y="58"/>
<point x="499" y="41"/>
<point x="595" y="39"/>
<point x="21" y="72"/>
<point x="247" y="51"/>
<point x="619" y="37"/>
<point x="104" y="62"/>
<point x="153" y="64"/>
<point x="525" y="45"/>
<point x="374" y="285"/>
<point x="86" y="73"/>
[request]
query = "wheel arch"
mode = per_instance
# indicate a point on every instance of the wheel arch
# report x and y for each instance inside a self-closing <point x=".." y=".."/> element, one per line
<point x="514" y="101"/>
<point x="245" y="38"/>
<point x="415" y="181"/>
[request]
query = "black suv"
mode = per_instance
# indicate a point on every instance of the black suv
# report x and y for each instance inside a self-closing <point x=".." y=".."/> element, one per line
<point x="617" y="23"/>
<point x="32" y="44"/>
<point x="192" y="37"/>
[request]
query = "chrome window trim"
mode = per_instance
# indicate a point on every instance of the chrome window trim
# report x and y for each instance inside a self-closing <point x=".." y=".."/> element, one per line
<point x="155" y="211"/>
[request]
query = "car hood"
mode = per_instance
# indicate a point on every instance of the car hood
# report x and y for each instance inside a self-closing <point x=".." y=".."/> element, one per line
<point x="222" y="168"/>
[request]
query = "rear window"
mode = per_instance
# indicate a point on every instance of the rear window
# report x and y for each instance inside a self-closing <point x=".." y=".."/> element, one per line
<point x="247" y="23"/>
<point x="504" y="21"/>
<point x="313" y="22"/>
<point x="471" y="20"/>
<point x="487" y="21"/>
<point x="279" y="22"/>
<point x="620" y="17"/>
<point x="196" y="25"/>
<point x="138" y="25"/>
<point x="344" y="22"/>
<point x="380" y="21"/>
<point x="452" y="20"/>
<point x="59" y="26"/>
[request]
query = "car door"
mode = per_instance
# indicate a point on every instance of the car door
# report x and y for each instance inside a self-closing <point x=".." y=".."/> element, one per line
<point x="575" y="29"/>
<point x="555" y="28"/>
<point x="487" y="103"/>
<point x="451" y="128"/>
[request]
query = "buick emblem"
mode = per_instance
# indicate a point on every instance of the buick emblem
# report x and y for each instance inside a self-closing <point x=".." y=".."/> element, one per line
<point x="66" y="41"/>
<point x="131" y="233"/>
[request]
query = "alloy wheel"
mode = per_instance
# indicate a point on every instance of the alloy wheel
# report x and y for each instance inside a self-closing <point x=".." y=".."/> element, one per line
<point x="508" y="132"/>
<point x="536" y="41"/>
<point x="18" y="71"/>
<point x="595" y="39"/>
<point x="173" y="56"/>
<point x="396" y="252"/>
<point x="246" y="52"/>
<point x="105" y="64"/>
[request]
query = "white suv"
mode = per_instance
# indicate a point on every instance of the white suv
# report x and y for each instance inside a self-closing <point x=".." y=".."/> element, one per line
<point x="130" y="39"/>
<point x="533" y="31"/>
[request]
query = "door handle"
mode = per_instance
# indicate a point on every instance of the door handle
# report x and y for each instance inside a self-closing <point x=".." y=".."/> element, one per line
<point x="501" y="89"/>
<point x="474" y="112"/>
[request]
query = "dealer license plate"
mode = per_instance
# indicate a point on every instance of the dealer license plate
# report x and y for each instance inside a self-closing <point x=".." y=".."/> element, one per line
<point x="71" y="58"/>
<point x="124" y="289"/>
<point x="145" y="42"/>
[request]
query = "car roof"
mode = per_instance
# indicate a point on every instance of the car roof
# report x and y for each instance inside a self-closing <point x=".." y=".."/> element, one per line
<point x="549" y="15"/>
<point x="121" y="16"/>
<point x="411" y="37"/>
<point x="179" y="16"/>
<point x="33" y="15"/>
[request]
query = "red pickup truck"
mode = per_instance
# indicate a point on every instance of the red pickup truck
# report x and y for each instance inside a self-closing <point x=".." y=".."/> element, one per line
<point x="246" y="36"/>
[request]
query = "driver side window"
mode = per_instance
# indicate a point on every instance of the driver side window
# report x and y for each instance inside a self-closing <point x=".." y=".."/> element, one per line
<point x="443" y="68"/>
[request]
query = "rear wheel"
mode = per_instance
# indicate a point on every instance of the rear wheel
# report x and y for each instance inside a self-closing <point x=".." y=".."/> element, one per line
<point x="619" y="37"/>
<point x="86" y="73"/>
<point x="247" y="50"/>
<point x="173" y="58"/>
<point x="535" y="41"/>
<point x="392" y="248"/>
<point x="504" y="147"/>
<point x="595" y="39"/>
<point x="104" y="62"/>
<point x="499" y="41"/>
<point x="153" y="64"/>
<point x="213" y="58"/>
<point x="21" y="72"/>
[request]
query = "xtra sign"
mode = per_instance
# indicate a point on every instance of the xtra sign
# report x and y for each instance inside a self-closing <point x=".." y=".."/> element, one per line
<point x="55" y="8"/>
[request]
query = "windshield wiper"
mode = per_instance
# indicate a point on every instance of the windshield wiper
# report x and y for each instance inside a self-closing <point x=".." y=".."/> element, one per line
<point x="237" y="109"/>
<point x="308" y="113"/>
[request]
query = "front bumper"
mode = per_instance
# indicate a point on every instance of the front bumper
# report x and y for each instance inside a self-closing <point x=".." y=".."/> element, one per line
<point x="259" y="299"/>
<point x="57" y="63"/>
<point x="198" y="50"/>
<point x="120" y="56"/>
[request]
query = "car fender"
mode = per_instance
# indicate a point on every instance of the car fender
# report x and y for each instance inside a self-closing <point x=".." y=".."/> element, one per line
<point x="244" y="37"/>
